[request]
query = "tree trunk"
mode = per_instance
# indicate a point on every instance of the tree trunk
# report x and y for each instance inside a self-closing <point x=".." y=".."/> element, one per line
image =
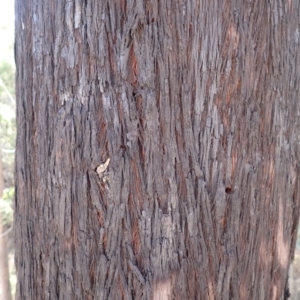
<point x="4" y="268"/>
<point x="157" y="148"/>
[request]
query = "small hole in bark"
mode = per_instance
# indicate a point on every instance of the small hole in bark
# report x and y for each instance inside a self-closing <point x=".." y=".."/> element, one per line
<point x="228" y="190"/>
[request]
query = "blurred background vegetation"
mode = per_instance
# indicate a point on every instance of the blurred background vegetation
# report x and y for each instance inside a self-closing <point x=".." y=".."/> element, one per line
<point x="7" y="142"/>
<point x="7" y="146"/>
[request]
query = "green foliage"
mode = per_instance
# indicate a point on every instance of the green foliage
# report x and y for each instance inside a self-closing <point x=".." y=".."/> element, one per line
<point x="7" y="74"/>
<point x="7" y="124"/>
<point x="7" y="137"/>
<point x="6" y="205"/>
<point x="7" y="109"/>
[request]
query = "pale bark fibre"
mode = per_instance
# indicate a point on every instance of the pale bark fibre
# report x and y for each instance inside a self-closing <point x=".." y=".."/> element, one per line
<point x="195" y="103"/>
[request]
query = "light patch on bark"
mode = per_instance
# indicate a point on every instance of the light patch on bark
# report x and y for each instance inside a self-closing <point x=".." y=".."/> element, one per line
<point x="77" y="16"/>
<point x="102" y="168"/>
<point x="69" y="10"/>
<point x="162" y="290"/>
<point x="282" y="247"/>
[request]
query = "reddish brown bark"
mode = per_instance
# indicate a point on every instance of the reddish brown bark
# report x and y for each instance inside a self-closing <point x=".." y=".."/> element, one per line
<point x="195" y="103"/>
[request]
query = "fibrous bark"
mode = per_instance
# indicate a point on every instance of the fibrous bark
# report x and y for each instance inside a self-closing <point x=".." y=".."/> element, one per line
<point x="194" y="103"/>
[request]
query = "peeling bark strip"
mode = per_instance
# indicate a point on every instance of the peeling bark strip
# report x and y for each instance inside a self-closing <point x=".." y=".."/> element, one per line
<point x="193" y="106"/>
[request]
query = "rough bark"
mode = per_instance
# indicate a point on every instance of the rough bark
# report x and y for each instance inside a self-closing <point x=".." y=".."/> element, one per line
<point x="194" y="103"/>
<point x="4" y="268"/>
